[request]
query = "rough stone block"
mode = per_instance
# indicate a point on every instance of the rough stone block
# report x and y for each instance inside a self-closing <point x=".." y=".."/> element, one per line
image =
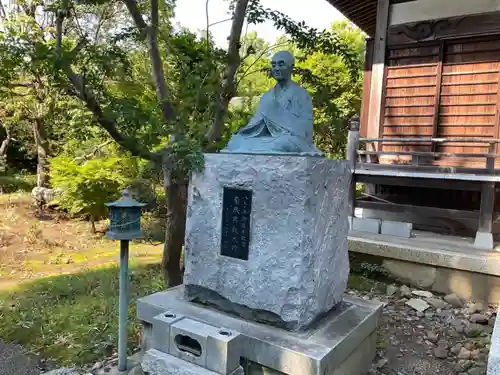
<point x="158" y="363"/>
<point x="366" y="225"/>
<point x="396" y="228"/>
<point x="297" y="265"/>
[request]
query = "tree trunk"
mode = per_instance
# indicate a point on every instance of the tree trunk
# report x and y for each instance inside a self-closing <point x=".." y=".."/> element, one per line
<point x="176" y="191"/>
<point x="4" y="144"/>
<point x="42" y="149"/>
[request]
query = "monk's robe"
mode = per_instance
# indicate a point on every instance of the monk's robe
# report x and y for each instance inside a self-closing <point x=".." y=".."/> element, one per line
<point x="283" y="122"/>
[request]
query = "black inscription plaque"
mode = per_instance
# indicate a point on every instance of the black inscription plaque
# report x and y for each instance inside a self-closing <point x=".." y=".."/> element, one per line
<point x="236" y="211"/>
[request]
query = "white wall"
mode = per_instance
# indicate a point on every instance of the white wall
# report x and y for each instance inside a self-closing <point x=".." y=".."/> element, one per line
<point x="422" y="10"/>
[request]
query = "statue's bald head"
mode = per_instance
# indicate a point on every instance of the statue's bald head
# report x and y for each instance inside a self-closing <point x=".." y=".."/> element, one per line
<point x="283" y="63"/>
<point x="285" y="56"/>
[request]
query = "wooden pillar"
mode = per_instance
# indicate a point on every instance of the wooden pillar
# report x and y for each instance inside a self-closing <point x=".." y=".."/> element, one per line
<point x="378" y="68"/>
<point x="352" y="156"/>
<point x="484" y="234"/>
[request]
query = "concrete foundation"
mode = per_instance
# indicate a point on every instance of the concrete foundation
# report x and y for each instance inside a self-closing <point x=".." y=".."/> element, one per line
<point x="443" y="264"/>
<point x="342" y="342"/>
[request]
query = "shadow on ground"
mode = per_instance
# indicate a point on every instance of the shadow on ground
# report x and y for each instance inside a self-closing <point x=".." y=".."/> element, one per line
<point x="73" y="319"/>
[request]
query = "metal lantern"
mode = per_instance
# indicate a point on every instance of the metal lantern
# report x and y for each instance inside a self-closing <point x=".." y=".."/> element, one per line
<point x="125" y="218"/>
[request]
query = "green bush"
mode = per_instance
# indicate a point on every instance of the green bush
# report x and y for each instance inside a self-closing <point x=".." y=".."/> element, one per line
<point x="12" y="180"/>
<point x="88" y="186"/>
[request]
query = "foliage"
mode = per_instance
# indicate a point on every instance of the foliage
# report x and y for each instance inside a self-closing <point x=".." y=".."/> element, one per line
<point x="12" y="180"/>
<point x="71" y="318"/>
<point x="88" y="186"/>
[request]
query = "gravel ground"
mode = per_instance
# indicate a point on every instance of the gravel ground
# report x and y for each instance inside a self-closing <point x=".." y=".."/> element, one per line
<point x="422" y="333"/>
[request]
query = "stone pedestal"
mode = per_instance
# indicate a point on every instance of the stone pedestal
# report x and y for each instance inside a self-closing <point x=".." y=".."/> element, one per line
<point x="283" y="236"/>
<point x="342" y="342"/>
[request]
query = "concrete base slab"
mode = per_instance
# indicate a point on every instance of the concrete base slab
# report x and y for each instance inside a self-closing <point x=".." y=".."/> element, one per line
<point x="484" y="241"/>
<point x="366" y="225"/>
<point x="342" y="342"/>
<point x="396" y="228"/>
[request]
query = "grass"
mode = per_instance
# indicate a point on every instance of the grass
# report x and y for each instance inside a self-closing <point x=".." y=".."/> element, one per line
<point x="59" y="284"/>
<point x="73" y="319"/>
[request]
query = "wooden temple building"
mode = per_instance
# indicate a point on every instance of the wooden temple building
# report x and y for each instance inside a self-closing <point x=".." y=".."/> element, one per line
<point x="427" y="145"/>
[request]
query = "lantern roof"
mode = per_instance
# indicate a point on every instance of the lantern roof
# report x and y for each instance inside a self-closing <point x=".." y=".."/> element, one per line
<point x="126" y="201"/>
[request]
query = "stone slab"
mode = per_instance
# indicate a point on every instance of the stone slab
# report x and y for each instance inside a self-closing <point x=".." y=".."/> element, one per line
<point x="318" y="350"/>
<point x="396" y="228"/>
<point x="366" y="225"/>
<point x="494" y="354"/>
<point x="297" y="241"/>
<point x="484" y="241"/>
<point x="155" y="362"/>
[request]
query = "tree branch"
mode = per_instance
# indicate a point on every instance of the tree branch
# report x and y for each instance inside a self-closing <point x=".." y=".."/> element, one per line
<point x="208" y="24"/>
<point x="60" y="15"/>
<point x="228" y="85"/>
<point x="151" y="33"/>
<point x="136" y="16"/>
<point x="88" y="97"/>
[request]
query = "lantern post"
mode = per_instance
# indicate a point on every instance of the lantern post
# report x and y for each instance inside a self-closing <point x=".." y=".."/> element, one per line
<point x="125" y="225"/>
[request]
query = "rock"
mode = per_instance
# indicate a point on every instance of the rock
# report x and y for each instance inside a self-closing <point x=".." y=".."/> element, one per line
<point x="464" y="354"/>
<point x="477" y="307"/>
<point x="458" y="325"/>
<point x="381" y="363"/>
<point x="391" y="290"/>
<point x="62" y="371"/>
<point x="463" y="365"/>
<point x="432" y="336"/>
<point x="473" y="330"/>
<point x="436" y="303"/>
<point x="469" y="345"/>
<point x="477" y="371"/>
<point x="453" y="300"/>
<point x="479" y="318"/>
<point x="422" y="293"/>
<point x="97" y="366"/>
<point x="294" y="201"/>
<point x="456" y="349"/>
<point x="476" y="354"/>
<point x="405" y="291"/>
<point x="137" y="370"/>
<point x="418" y="304"/>
<point x="441" y="352"/>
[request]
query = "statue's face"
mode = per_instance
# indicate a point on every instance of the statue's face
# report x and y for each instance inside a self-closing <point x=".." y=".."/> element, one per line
<point x="281" y="68"/>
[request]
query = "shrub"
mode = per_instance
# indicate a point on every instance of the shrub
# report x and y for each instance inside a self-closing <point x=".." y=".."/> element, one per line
<point x="88" y="186"/>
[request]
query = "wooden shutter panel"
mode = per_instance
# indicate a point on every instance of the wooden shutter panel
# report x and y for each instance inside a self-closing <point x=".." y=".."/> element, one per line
<point x="411" y="84"/>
